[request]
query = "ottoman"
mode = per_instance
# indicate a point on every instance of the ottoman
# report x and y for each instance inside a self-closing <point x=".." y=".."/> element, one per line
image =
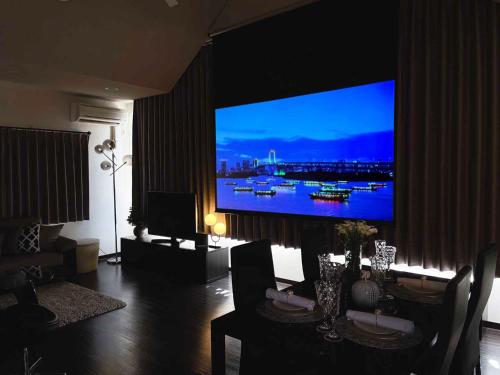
<point x="87" y="255"/>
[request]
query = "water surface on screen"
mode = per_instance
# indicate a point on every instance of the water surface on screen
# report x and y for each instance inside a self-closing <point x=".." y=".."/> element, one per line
<point x="326" y="154"/>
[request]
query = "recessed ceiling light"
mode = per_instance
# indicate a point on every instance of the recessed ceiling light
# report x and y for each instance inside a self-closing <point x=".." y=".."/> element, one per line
<point x="172" y="3"/>
<point x="111" y="89"/>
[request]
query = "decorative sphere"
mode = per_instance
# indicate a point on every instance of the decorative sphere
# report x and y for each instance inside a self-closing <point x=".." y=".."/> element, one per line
<point x="365" y="294"/>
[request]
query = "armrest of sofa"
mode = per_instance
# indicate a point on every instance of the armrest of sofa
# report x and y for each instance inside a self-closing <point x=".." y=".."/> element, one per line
<point x="64" y="244"/>
<point x="66" y="247"/>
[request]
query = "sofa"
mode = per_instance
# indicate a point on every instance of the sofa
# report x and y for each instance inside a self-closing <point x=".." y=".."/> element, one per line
<point x="56" y="252"/>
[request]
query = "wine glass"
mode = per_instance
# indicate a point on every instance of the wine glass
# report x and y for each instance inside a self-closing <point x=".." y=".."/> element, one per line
<point x="378" y="269"/>
<point x="324" y="265"/>
<point x="390" y="255"/>
<point x="322" y="295"/>
<point x="379" y="247"/>
<point x="333" y="292"/>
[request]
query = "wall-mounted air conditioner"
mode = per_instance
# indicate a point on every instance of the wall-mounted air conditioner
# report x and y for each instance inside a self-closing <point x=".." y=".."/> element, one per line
<point x="96" y="115"/>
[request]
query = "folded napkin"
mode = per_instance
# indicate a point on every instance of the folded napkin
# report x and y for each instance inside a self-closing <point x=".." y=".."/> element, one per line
<point x="291" y="299"/>
<point x="423" y="283"/>
<point x="390" y="322"/>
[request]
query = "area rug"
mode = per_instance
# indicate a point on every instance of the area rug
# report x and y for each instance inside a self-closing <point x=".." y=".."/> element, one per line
<point x="70" y="302"/>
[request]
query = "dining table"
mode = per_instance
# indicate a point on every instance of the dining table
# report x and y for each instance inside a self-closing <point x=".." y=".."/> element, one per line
<point x="275" y="340"/>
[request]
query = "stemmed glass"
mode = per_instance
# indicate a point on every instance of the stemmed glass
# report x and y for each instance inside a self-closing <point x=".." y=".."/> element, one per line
<point x="378" y="269"/>
<point x="322" y="294"/>
<point x="328" y="292"/>
<point x="335" y="279"/>
<point x="325" y="263"/>
<point x="379" y="247"/>
<point x="333" y="293"/>
<point x="390" y="255"/>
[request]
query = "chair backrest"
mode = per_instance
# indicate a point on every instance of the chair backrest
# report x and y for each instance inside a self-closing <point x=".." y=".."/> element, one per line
<point x="252" y="272"/>
<point x="467" y="353"/>
<point x="453" y="316"/>
<point x="313" y="242"/>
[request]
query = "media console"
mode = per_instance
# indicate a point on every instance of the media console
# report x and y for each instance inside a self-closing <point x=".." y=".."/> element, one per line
<point x="185" y="263"/>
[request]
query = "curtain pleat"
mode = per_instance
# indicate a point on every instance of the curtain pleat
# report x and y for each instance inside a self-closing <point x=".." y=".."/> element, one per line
<point x="44" y="174"/>
<point x="173" y="134"/>
<point x="447" y="132"/>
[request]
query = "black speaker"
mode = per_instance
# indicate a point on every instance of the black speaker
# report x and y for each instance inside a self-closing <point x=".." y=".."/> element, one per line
<point x="201" y="240"/>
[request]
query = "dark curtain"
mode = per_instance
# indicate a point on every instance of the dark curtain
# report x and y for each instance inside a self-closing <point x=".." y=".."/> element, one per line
<point x="447" y="154"/>
<point x="45" y="174"/>
<point x="448" y="148"/>
<point x="174" y="140"/>
<point x="174" y="150"/>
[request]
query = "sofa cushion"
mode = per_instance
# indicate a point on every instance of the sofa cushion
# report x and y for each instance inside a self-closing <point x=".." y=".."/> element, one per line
<point x="33" y="272"/>
<point x="49" y="235"/>
<point x="15" y="262"/>
<point x="28" y="240"/>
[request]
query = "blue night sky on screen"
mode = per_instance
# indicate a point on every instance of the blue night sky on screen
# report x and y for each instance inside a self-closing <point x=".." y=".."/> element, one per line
<point x="355" y="123"/>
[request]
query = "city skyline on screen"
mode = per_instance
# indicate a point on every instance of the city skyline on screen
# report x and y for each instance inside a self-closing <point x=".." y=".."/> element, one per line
<point x="325" y="154"/>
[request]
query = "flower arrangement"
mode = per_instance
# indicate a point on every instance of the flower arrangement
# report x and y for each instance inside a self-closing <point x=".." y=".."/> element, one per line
<point x="355" y="232"/>
<point x="354" y="235"/>
<point x="134" y="218"/>
<point x="137" y="220"/>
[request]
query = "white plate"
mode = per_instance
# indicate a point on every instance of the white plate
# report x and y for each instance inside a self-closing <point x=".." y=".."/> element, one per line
<point x="376" y="330"/>
<point x="286" y="307"/>
<point x="416" y="289"/>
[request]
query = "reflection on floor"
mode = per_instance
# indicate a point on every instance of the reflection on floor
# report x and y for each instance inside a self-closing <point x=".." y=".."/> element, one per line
<point x="164" y="329"/>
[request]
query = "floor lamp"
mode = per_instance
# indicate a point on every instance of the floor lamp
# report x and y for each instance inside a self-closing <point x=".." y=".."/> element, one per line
<point x="108" y="146"/>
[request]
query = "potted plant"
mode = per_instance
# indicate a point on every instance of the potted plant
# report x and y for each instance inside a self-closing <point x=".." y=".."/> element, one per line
<point x="354" y="236"/>
<point x="135" y="219"/>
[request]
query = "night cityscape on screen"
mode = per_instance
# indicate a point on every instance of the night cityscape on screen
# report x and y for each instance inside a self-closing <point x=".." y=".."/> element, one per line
<point x="327" y="154"/>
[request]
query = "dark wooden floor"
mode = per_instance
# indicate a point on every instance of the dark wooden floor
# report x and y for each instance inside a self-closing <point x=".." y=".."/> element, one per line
<point x="165" y="329"/>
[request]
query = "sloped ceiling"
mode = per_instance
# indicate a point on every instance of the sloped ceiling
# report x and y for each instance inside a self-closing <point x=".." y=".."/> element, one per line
<point x="114" y="48"/>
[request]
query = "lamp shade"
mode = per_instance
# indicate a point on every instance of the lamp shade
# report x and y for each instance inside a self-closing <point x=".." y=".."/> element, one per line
<point x="220" y="229"/>
<point x="127" y="159"/>
<point x="109" y="144"/>
<point x="210" y="219"/>
<point x="106" y="165"/>
<point x="99" y="149"/>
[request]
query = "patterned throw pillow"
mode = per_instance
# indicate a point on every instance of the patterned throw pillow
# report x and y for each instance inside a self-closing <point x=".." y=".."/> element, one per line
<point x="33" y="272"/>
<point x="28" y="240"/>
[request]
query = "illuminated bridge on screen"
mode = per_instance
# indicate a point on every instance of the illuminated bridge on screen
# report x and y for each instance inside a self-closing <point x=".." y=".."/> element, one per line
<point x="336" y="166"/>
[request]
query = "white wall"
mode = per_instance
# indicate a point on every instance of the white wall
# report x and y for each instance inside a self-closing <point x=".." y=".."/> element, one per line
<point x="27" y="106"/>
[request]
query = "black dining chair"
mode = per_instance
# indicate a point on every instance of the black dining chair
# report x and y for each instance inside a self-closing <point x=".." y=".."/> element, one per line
<point x="438" y="357"/>
<point x="313" y="242"/>
<point x="252" y="272"/>
<point x="467" y="356"/>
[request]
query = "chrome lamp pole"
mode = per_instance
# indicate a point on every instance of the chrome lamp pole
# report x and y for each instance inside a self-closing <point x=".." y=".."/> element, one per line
<point x="109" y="145"/>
